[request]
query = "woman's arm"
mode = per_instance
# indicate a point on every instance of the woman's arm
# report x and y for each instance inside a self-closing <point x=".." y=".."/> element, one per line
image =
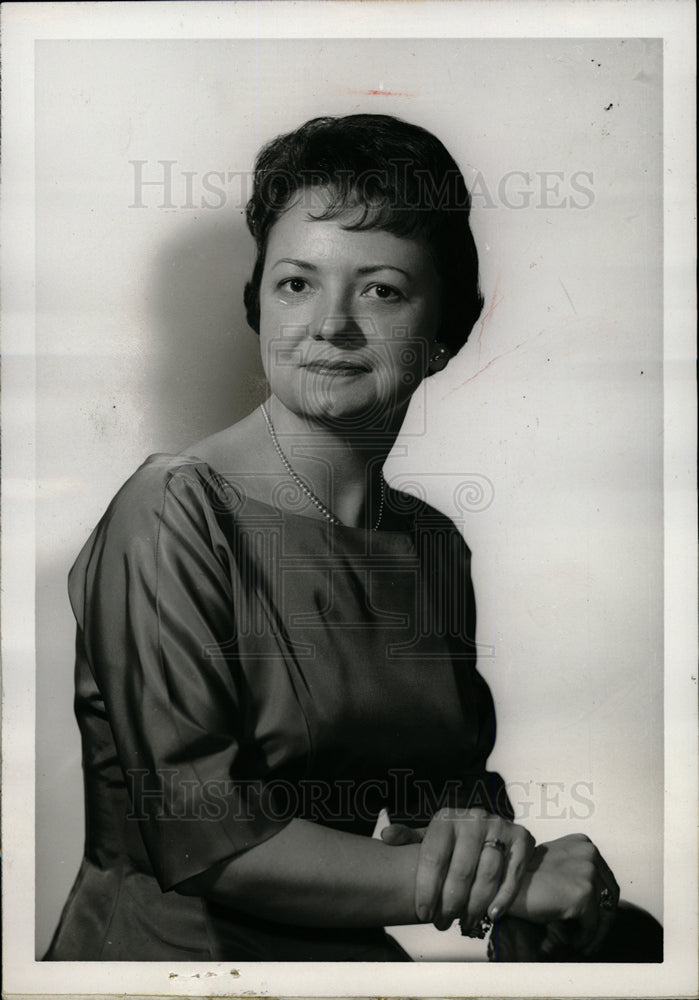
<point x="315" y="876"/>
<point x="318" y="877"/>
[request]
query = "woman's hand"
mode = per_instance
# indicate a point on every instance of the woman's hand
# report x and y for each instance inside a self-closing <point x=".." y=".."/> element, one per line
<point x="470" y="863"/>
<point x="569" y="887"/>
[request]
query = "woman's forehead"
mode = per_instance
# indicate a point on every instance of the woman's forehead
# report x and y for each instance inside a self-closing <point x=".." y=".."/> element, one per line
<point x="299" y="228"/>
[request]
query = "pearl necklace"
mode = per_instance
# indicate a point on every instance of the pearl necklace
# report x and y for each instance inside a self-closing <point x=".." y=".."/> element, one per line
<point x="318" y="504"/>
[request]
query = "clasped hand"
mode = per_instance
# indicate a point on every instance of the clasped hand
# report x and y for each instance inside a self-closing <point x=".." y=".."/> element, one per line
<point x="472" y="863"/>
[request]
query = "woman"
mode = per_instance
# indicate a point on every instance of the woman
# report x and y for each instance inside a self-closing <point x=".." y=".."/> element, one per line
<point x="273" y="644"/>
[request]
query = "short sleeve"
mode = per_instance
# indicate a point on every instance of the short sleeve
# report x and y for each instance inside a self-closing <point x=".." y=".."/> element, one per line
<point x="152" y="596"/>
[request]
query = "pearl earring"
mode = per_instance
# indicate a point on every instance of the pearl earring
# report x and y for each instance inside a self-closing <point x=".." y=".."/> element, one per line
<point x="439" y="358"/>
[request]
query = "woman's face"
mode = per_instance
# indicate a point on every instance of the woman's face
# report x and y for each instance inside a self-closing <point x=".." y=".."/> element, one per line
<point x="347" y="319"/>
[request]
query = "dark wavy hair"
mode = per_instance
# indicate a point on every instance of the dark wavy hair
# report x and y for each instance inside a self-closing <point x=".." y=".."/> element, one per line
<point x="401" y="179"/>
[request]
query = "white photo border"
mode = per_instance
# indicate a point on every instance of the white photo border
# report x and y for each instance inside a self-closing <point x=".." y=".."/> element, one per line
<point x="22" y="25"/>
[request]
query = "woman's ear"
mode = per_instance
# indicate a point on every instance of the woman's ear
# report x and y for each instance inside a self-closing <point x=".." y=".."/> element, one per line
<point x="439" y="357"/>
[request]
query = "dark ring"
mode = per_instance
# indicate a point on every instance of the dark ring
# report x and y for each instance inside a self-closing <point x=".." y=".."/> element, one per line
<point x="605" y="901"/>
<point x="499" y="845"/>
<point x="477" y="930"/>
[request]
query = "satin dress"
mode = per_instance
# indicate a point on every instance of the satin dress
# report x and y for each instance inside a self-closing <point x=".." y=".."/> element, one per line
<point x="238" y="665"/>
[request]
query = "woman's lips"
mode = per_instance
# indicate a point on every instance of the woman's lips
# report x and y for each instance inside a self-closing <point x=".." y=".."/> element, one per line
<point x="337" y="368"/>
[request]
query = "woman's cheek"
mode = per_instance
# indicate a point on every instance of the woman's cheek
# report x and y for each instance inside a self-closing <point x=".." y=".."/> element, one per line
<point x="286" y="319"/>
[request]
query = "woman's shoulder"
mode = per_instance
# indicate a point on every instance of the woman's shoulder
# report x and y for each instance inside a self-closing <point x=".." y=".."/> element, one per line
<point x="186" y="478"/>
<point x="180" y="491"/>
<point x="168" y="505"/>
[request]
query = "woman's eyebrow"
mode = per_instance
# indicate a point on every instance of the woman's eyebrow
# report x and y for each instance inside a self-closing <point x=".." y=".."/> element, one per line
<point x="369" y="269"/>
<point x="299" y="263"/>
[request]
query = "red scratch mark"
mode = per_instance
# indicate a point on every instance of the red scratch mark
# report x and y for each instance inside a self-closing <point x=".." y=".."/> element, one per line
<point x="485" y="319"/>
<point x="383" y="93"/>
<point x="388" y="93"/>
<point x="491" y="362"/>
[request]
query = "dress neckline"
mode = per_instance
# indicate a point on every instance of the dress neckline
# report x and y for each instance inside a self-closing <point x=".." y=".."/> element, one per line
<point x="184" y="458"/>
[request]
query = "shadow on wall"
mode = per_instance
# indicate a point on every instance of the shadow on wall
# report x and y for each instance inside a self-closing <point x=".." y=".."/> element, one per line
<point x="206" y="372"/>
<point x="201" y="372"/>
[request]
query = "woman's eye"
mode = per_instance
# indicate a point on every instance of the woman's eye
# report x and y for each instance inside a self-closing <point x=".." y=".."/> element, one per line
<point x="386" y="292"/>
<point x="295" y="285"/>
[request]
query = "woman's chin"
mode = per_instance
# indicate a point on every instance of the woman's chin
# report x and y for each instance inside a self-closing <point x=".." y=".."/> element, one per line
<point x="355" y="416"/>
<point x="349" y="408"/>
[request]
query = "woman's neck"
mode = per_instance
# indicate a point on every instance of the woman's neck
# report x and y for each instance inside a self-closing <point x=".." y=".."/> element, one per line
<point x="341" y="465"/>
<point x="343" y="470"/>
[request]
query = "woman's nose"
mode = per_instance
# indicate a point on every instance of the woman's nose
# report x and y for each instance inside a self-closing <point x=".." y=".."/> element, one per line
<point x="337" y="323"/>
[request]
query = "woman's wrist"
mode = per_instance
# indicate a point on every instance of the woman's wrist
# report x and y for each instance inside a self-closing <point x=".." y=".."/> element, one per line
<point x="402" y="893"/>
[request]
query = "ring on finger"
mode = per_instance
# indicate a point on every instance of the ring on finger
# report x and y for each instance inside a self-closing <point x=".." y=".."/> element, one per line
<point x="478" y="930"/>
<point x="498" y="845"/>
